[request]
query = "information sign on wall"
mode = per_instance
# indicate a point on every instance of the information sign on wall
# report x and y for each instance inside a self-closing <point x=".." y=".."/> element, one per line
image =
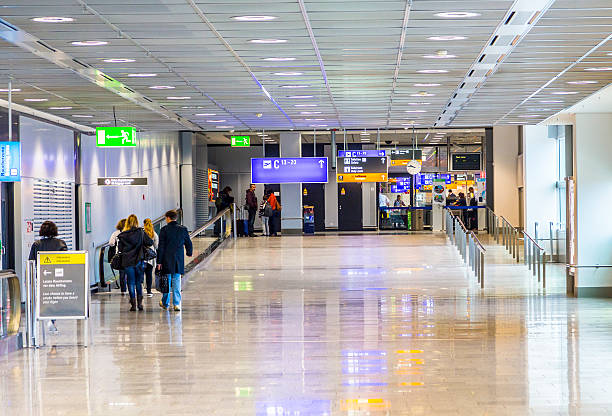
<point x="122" y="181"/>
<point x="289" y="170"/>
<point x="361" y="153"/>
<point x="10" y="162"/>
<point x="63" y="285"/>
<point x="213" y="184"/>
<point x="115" y="137"/>
<point x="362" y="169"/>
<point x="241" y="141"/>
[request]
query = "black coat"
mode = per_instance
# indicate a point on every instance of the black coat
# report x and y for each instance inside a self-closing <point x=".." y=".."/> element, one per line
<point x="47" y="244"/>
<point x="131" y="246"/>
<point x="170" y="254"/>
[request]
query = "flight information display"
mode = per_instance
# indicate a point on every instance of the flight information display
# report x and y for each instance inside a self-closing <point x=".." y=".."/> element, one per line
<point x="362" y="169"/>
<point x="401" y="156"/>
<point x="465" y="161"/>
<point x="361" y="153"/>
<point x="289" y="170"/>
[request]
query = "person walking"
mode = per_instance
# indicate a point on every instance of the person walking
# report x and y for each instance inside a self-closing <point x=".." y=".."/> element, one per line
<point x="149" y="265"/>
<point x="112" y="250"/>
<point x="224" y="200"/>
<point x="48" y="242"/>
<point x="251" y="202"/>
<point x="174" y="242"/>
<point x="132" y="243"/>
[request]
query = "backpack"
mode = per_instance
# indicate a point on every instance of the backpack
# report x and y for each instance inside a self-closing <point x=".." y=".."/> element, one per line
<point x="112" y="250"/>
<point x="268" y="211"/>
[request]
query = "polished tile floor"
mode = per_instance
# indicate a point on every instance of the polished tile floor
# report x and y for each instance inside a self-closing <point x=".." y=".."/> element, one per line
<point x="330" y="325"/>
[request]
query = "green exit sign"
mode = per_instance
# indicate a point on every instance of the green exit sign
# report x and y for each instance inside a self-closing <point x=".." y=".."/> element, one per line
<point x="115" y="137"/>
<point x="241" y="141"/>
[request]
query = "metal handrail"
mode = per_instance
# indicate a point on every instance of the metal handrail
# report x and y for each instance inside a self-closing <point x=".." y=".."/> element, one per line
<point x="534" y="257"/>
<point x="211" y="222"/>
<point x="470" y="248"/>
<point x="14" y="289"/>
<point x="584" y="266"/>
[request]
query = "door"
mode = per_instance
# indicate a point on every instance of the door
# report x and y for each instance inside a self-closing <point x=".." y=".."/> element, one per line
<point x="314" y="194"/>
<point x="350" y="207"/>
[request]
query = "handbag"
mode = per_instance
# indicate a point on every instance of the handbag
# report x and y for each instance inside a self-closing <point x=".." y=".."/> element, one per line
<point x="161" y="282"/>
<point x="268" y="211"/>
<point x="148" y="253"/>
<point x="117" y="262"/>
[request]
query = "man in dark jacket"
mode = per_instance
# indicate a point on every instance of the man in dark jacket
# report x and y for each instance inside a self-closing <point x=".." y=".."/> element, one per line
<point x="251" y="201"/>
<point x="173" y="242"/>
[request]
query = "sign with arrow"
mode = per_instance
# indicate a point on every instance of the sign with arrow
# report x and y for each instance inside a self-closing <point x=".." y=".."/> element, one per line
<point x="115" y="137"/>
<point x="289" y="170"/>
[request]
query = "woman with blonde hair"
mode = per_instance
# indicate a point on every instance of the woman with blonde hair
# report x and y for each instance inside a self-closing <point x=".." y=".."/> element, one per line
<point x="132" y="243"/>
<point x="149" y="265"/>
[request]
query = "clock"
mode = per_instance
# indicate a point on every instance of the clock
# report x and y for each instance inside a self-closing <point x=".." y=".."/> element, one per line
<point x="413" y="167"/>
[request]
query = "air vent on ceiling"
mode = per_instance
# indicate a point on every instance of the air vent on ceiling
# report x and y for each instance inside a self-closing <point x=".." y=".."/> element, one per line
<point x="10" y="26"/>
<point x="482" y="57"/>
<point x="455" y="96"/>
<point x="509" y="18"/>
<point x="128" y="88"/>
<point x="44" y="45"/>
<point x="471" y="73"/>
<point x="494" y="40"/>
<point x="108" y="78"/>
<point x="148" y="99"/>
<point x="462" y="85"/>
<point x="80" y="63"/>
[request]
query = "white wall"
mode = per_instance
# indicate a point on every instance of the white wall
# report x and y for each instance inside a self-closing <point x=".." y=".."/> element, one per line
<point x="540" y="170"/>
<point x="505" y="153"/>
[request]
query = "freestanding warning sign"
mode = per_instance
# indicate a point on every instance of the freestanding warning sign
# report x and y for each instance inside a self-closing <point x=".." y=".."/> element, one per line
<point x="62" y="285"/>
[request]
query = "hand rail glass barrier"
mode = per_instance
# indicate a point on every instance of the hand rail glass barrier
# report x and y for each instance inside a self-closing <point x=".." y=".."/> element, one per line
<point x="552" y="239"/>
<point x="535" y="258"/>
<point x="471" y="250"/>
<point x="10" y="303"/>
<point x="105" y="275"/>
<point x="413" y="218"/>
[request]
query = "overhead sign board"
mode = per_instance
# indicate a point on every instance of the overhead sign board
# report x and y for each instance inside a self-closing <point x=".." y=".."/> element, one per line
<point x="289" y="170"/>
<point x="362" y="169"/>
<point x="62" y="285"/>
<point x="122" y="181"/>
<point x="10" y="162"/>
<point x="241" y="141"/>
<point x="213" y="184"/>
<point x="401" y="156"/>
<point x="361" y="153"/>
<point x="465" y="161"/>
<point x="115" y="137"/>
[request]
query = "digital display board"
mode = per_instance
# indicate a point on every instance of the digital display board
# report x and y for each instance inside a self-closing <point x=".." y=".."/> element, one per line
<point x="10" y="162"/>
<point x="465" y="161"/>
<point x="213" y="184"/>
<point x="401" y="156"/>
<point x="361" y="153"/>
<point x="289" y="170"/>
<point x="362" y="169"/>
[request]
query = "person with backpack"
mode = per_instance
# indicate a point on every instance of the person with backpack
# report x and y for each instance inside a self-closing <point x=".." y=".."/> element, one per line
<point x="265" y="212"/>
<point x="149" y="265"/>
<point x="112" y="250"/>
<point x="224" y="200"/>
<point x="133" y="242"/>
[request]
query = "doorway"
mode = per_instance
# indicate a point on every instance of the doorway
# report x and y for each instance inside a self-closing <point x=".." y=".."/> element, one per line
<point x="314" y="194"/>
<point x="350" y="207"/>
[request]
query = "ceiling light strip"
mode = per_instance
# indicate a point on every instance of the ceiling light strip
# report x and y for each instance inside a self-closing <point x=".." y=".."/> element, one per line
<point x="28" y="42"/>
<point x="559" y="75"/>
<point x="152" y="56"/>
<point x="46" y="116"/>
<point x="398" y="62"/>
<point x="539" y="10"/>
<point x="315" y="45"/>
<point x="202" y="16"/>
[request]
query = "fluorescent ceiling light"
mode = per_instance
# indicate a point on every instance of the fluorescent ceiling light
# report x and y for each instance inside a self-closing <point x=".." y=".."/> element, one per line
<point x="279" y="59"/>
<point x="225" y="127"/>
<point x="422" y="94"/>
<point x="446" y="38"/>
<point x="294" y="86"/>
<point x="178" y="98"/>
<point x="205" y="114"/>
<point x="601" y="68"/>
<point x="564" y="92"/>
<point x="162" y="87"/>
<point x="216" y="121"/>
<point x="314" y="119"/>
<point x="12" y="89"/>
<point x="254" y="18"/>
<point x="119" y="60"/>
<point x="432" y="71"/>
<point x="530" y="116"/>
<point x="268" y="41"/>
<point x="440" y="56"/>
<point x="305" y="105"/>
<point x="60" y="108"/>
<point x="551" y="101"/>
<point x="457" y="15"/>
<point x="418" y="103"/>
<point x="415" y="111"/>
<point x="433" y="84"/>
<point x="142" y="75"/>
<point x="89" y="43"/>
<point x="318" y="125"/>
<point x="99" y="123"/>
<point x="36" y="100"/>
<point x="53" y="19"/>
<point x="288" y="74"/>
<point x="299" y="97"/>
<point x="81" y="116"/>
<point x="410" y="124"/>
<point x="309" y="112"/>
<point x="581" y="82"/>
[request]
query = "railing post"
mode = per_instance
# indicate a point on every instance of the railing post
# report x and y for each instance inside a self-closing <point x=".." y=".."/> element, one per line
<point x="539" y="260"/>
<point x="482" y="264"/>
<point x="234" y="229"/>
<point x="550" y="236"/>
<point x="533" y="258"/>
<point x="544" y="271"/>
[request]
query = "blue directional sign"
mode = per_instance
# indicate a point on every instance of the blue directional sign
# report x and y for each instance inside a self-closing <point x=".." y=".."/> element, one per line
<point x="361" y="153"/>
<point x="289" y="170"/>
<point x="10" y="162"/>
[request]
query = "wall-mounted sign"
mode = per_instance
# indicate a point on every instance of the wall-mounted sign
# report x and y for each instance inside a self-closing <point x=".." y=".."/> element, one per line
<point x="362" y="169"/>
<point x="10" y="162"/>
<point x="289" y="170"/>
<point x="122" y="181"/>
<point x="115" y="137"/>
<point x="213" y="184"/>
<point x="465" y="161"/>
<point x="361" y="153"/>
<point x="87" y="217"/>
<point x="241" y="141"/>
<point x="402" y="156"/>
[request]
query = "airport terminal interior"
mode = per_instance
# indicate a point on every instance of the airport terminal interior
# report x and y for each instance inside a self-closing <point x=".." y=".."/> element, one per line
<point x="305" y="207"/>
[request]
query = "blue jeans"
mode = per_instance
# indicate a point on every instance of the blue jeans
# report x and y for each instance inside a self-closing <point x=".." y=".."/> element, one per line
<point x="135" y="276"/>
<point x="174" y="281"/>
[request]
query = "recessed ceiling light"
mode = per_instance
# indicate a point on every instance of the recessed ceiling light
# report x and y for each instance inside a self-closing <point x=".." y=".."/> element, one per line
<point x="445" y="38"/>
<point x="299" y="97"/>
<point x="279" y="59"/>
<point x="89" y="43"/>
<point x="432" y="71"/>
<point x="53" y="19"/>
<point x="551" y="101"/>
<point x="540" y="109"/>
<point x="36" y="100"/>
<point x="294" y="86"/>
<point x="415" y="111"/>
<point x="12" y="89"/>
<point x="225" y="127"/>
<point x="422" y="94"/>
<point x="162" y="87"/>
<point x="205" y="114"/>
<point x="142" y="75"/>
<point x="314" y="119"/>
<point x="309" y="112"/>
<point x="288" y="74"/>
<point x="440" y="56"/>
<point x="318" y="125"/>
<point x="516" y="122"/>
<point x="410" y="124"/>
<point x="81" y="116"/>
<point x="119" y="60"/>
<point x="418" y="103"/>
<point x="268" y="41"/>
<point x="564" y="93"/>
<point x="601" y="68"/>
<point x="457" y="15"/>
<point x="178" y="98"/>
<point x="60" y="108"/>
<point x="433" y="84"/>
<point x="581" y="82"/>
<point x="254" y="18"/>
<point x="530" y="116"/>
<point x="100" y="123"/>
<point x="216" y="121"/>
<point x="305" y="105"/>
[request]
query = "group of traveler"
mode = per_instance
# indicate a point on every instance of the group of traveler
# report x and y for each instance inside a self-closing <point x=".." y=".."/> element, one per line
<point x="469" y="215"/>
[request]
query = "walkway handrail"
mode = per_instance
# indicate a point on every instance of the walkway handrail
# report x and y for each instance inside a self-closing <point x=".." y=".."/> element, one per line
<point x="584" y="266"/>
<point x="534" y="257"/>
<point x="471" y="249"/>
<point x="13" y="303"/>
<point x="212" y="221"/>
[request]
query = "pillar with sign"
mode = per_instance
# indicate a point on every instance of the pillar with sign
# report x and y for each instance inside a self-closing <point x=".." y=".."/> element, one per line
<point x="438" y="204"/>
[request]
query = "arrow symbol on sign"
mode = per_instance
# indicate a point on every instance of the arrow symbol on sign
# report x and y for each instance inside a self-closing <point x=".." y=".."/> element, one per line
<point x="46" y="272"/>
<point x="321" y="163"/>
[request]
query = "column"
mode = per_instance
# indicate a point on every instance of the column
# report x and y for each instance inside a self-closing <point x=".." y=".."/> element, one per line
<point x="504" y="194"/>
<point x="186" y="178"/>
<point x="291" y="193"/>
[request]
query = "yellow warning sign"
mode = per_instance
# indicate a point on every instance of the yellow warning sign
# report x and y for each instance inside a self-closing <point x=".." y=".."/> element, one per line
<point x="305" y="192"/>
<point x="342" y="191"/>
<point x="68" y="258"/>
